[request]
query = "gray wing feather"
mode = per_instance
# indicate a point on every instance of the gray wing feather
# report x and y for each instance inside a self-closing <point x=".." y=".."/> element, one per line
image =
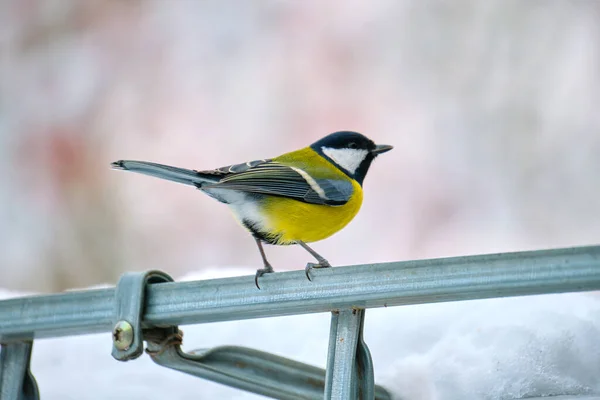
<point x="235" y="168"/>
<point x="337" y="191"/>
<point x="272" y="178"/>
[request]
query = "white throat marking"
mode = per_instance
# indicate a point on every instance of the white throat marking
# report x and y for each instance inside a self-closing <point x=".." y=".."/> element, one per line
<point x="349" y="159"/>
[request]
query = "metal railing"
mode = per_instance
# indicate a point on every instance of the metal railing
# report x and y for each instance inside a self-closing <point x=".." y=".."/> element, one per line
<point x="150" y="307"/>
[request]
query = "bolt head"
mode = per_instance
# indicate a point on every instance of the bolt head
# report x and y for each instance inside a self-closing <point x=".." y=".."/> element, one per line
<point x="123" y="335"/>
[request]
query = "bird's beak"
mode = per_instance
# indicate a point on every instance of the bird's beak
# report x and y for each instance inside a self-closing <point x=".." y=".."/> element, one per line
<point x="381" y="148"/>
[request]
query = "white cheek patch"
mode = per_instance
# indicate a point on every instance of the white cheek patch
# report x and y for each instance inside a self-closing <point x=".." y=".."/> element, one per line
<point x="349" y="159"/>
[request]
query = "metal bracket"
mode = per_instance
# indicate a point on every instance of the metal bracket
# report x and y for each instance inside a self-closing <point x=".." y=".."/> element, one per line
<point x="349" y="362"/>
<point x="243" y="368"/>
<point x="16" y="380"/>
<point x="130" y="298"/>
<point x="247" y="369"/>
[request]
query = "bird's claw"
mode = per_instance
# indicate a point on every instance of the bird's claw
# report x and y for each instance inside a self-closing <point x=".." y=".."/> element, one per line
<point x="321" y="264"/>
<point x="260" y="272"/>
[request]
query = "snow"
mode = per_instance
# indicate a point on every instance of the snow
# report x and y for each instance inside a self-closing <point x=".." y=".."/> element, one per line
<point x="509" y="348"/>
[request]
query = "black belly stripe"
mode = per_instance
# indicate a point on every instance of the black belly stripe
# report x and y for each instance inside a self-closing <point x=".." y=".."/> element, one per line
<point x="260" y="235"/>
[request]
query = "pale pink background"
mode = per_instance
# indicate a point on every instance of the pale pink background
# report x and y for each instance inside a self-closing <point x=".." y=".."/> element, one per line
<point x="493" y="108"/>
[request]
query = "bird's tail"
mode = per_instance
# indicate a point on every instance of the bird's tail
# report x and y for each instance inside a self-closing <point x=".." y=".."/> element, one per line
<point x="180" y="175"/>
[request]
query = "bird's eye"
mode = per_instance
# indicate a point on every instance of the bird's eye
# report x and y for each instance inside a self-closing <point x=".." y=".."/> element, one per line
<point x="352" y="145"/>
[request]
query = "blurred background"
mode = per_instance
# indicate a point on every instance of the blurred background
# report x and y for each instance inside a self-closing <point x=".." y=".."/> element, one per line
<point x="493" y="108"/>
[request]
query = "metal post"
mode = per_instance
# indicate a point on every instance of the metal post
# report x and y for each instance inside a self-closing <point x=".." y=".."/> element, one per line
<point x="16" y="381"/>
<point x="349" y="367"/>
<point x="364" y="369"/>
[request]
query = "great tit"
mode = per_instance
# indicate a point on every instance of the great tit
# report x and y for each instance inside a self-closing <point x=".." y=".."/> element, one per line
<point x="297" y="198"/>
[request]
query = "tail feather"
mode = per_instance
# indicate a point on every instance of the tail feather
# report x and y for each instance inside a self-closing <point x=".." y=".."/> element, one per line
<point x="180" y="175"/>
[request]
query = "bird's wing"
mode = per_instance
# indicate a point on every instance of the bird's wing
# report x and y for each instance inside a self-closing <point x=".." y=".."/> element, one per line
<point x="233" y="169"/>
<point x="276" y="179"/>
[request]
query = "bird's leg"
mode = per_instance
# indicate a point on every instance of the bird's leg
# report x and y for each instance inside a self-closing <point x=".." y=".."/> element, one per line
<point x="322" y="263"/>
<point x="267" y="267"/>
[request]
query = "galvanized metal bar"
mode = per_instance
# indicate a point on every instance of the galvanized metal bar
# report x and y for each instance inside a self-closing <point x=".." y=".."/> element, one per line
<point x="340" y="381"/>
<point x="243" y="368"/>
<point x="247" y="369"/>
<point x="331" y="354"/>
<point x="16" y="380"/>
<point x="349" y="365"/>
<point x="365" y="375"/>
<point x="287" y="293"/>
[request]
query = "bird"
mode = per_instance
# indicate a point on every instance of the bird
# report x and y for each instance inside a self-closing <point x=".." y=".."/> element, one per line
<point x="299" y="197"/>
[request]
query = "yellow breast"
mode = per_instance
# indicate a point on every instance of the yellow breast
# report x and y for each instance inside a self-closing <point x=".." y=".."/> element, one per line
<point x="293" y="220"/>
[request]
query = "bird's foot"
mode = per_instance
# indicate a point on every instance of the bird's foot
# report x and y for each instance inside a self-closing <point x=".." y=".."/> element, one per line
<point x="260" y="272"/>
<point x="323" y="263"/>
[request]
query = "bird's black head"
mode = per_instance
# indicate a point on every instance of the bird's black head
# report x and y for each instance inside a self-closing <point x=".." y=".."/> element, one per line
<point x="351" y="152"/>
